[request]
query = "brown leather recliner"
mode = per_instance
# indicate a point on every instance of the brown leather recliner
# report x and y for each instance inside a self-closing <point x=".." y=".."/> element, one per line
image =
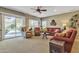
<point x="69" y="39"/>
<point x="37" y="31"/>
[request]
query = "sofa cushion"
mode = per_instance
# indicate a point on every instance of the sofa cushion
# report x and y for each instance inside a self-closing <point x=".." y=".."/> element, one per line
<point x="57" y="30"/>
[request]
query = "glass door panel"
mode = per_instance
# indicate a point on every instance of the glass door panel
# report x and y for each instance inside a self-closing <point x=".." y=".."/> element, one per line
<point x="9" y="26"/>
<point x="13" y="26"/>
<point x="19" y="25"/>
<point x="35" y="23"/>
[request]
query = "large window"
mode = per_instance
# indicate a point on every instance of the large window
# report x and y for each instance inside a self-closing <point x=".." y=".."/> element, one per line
<point x="33" y="24"/>
<point x="13" y="26"/>
<point x="44" y="24"/>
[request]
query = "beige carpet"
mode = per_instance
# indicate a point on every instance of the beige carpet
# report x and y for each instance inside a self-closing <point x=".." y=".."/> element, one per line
<point x="33" y="45"/>
<point x="22" y="45"/>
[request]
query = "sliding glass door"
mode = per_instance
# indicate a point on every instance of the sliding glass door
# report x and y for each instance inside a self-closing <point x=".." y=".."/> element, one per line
<point x="13" y="26"/>
<point x="19" y="25"/>
<point x="9" y="26"/>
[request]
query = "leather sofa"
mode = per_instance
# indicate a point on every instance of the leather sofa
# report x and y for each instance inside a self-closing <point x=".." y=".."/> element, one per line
<point x="68" y="38"/>
<point x="52" y="31"/>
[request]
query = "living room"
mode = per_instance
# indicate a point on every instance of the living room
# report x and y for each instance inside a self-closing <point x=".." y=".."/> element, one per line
<point x="36" y="26"/>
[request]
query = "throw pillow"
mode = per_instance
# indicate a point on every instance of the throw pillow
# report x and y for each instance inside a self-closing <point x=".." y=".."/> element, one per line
<point x="60" y="34"/>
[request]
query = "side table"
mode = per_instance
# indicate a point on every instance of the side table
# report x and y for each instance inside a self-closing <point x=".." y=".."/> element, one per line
<point x="56" y="46"/>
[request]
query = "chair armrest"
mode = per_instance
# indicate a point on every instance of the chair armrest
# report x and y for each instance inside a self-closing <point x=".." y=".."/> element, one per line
<point x="62" y="39"/>
<point x="56" y="46"/>
<point x="57" y="42"/>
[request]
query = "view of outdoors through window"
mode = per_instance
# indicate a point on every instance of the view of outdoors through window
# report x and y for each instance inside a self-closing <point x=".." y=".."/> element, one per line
<point x="33" y="24"/>
<point x="13" y="26"/>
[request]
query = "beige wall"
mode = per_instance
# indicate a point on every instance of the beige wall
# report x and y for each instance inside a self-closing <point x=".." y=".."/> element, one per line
<point x="61" y="18"/>
<point x="0" y="26"/>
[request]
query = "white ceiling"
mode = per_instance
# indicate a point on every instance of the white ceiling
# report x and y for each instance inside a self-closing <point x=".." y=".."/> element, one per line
<point x="51" y="10"/>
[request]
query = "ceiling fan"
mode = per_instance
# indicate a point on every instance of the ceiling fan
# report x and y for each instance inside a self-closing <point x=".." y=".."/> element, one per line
<point x="39" y="9"/>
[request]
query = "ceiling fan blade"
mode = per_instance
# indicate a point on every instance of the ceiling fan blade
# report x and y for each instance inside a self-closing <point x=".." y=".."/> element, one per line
<point x="43" y="10"/>
<point x="40" y="12"/>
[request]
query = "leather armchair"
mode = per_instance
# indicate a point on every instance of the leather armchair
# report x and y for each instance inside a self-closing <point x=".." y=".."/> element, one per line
<point x="29" y="34"/>
<point x="37" y="31"/>
<point x="69" y="40"/>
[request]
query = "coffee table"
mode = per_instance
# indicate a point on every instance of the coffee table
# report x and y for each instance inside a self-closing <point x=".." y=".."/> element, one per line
<point x="44" y="35"/>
